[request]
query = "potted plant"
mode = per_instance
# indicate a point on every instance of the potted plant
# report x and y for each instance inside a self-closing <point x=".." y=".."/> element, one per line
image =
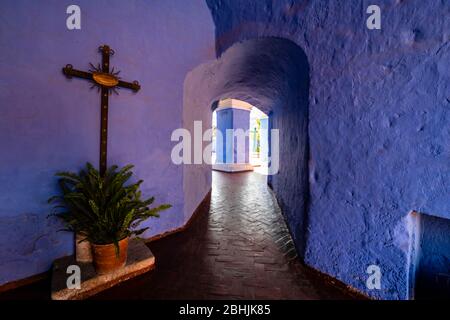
<point x="105" y="210"/>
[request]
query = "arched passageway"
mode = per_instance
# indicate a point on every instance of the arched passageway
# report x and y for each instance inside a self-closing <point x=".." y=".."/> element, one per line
<point x="240" y="137"/>
<point x="273" y="75"/>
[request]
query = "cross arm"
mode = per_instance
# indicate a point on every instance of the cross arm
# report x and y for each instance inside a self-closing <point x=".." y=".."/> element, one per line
<point x="69" y="71"/>
<point x="135" y="86"/>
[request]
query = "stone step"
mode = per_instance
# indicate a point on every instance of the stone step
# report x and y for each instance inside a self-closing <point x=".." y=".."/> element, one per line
<point x="140" y="260"/>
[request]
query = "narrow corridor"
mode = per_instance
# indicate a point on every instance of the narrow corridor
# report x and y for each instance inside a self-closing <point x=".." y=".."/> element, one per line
<point x="241" y="249"/>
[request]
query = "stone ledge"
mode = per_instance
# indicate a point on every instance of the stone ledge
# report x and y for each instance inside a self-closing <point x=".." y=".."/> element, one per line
<point x="140" y="260"/>
<point x="232" y="167"/>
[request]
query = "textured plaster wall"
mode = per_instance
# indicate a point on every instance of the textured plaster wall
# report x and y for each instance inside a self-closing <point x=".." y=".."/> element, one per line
<point x="49" y="123"/>
<point x="197" y="106"/>
<point x="379" y="108"/>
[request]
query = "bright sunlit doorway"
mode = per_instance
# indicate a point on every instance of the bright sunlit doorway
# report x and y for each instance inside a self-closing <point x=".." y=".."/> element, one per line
<point x="256" y="145"/>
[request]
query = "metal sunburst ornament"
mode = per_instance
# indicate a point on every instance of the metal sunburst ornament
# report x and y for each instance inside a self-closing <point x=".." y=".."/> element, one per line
<point x="102" y="79"/>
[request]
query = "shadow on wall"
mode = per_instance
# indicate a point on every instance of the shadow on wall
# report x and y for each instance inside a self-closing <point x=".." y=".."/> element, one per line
<point x="433" y="268"/>
<point x="272" y="74"/>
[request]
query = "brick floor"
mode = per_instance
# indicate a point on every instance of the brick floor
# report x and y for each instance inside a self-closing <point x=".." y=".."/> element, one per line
<point x="238" y="248"/>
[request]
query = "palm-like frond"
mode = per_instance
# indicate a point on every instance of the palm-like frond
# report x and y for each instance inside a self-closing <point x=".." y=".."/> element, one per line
<point x="104" y="209"/>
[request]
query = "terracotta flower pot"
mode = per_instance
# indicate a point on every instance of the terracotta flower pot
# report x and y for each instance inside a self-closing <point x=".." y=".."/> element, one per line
<point x="105" y="258"/>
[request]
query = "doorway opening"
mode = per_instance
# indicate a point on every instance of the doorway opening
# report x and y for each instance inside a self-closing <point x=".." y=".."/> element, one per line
<point x="240" y="137"/>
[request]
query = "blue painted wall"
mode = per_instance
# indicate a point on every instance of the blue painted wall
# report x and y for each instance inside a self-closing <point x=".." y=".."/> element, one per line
<point x="49" y="123"/>
<point x="241" y="120"/>
<point x="378" y="124"/>
<point x="224" y="122"/>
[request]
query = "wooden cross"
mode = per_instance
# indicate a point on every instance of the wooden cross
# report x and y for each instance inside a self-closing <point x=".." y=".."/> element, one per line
<point x="106" y="81"/>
